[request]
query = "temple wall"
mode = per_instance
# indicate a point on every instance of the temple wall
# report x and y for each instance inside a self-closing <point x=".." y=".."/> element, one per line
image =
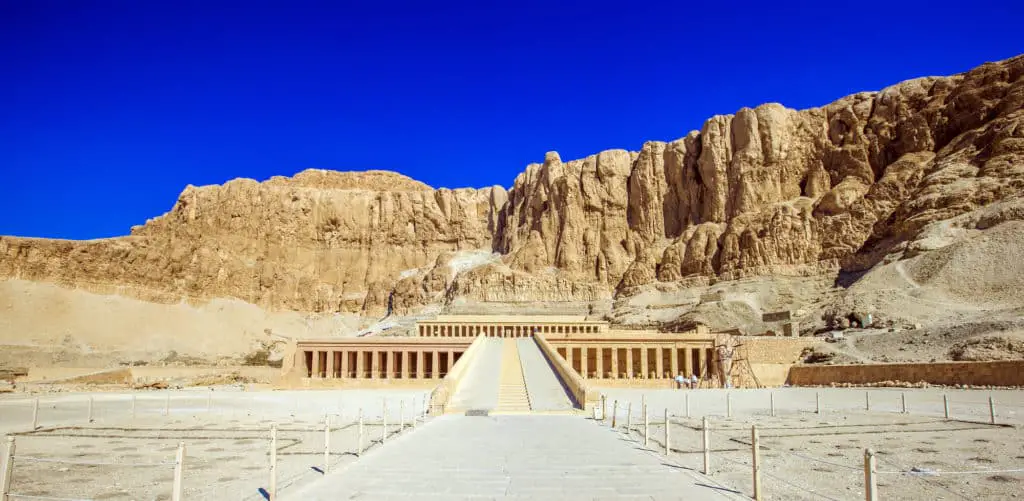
<point x="997" y="373"/>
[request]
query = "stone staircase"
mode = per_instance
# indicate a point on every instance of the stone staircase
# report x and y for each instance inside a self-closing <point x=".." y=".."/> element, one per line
<point x="512" y="394"/>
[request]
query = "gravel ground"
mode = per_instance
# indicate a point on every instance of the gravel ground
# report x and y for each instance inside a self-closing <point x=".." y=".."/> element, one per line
<point x="808" y="455"/>
<point x="227" y="443"/>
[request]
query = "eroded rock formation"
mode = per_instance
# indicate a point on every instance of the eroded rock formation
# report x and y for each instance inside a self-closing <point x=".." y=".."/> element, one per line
<point x="767" y="190"/>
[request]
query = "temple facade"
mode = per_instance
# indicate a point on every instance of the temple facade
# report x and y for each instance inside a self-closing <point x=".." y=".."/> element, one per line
<point x="589" y="347"/>
<point x="507" y="326"/>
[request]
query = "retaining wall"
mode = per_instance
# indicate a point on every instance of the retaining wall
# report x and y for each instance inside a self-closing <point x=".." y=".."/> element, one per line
<point x="584" y="396"/>
<point x="998" y="373"/>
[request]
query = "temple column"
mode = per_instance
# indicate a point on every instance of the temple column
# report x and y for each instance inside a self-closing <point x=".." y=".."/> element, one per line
<point x="659" y="363"/>
<point x="436" y="372"/>
<point x="419" y="364"/>
<point x="600" y="362"/>
<point x="646" y="372"/>
<point x="629" y="363"/>
<point x="344" y="365"/>
<point x="584" y="356"/>
<point x="674" y="361"/>
<point x="316" y="364"/>
<point x="330" y="364"/>
<point x="375" y="364"/>
<point x="568" y="355"/>
<point x="701" y="363"/>
<point x="360" y="365"/>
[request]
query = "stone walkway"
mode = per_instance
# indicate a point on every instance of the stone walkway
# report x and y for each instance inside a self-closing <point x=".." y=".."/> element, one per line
<point x="512" y="457"/>
<point x="545" y="389"/>
<point x="479" y="387"/>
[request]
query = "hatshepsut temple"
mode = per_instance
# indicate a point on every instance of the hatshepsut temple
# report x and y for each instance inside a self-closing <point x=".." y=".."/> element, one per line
<point x="497" y="362"/>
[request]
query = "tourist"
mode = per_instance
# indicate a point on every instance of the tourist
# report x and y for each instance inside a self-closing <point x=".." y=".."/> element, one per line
<point x="680" y="381"/>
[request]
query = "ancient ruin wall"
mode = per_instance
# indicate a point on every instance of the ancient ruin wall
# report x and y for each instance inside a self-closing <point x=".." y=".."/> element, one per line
<point x="997" y="373"/>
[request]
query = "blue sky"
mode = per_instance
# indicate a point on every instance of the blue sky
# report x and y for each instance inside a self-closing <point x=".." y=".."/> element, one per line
<point x="109" y="108"/>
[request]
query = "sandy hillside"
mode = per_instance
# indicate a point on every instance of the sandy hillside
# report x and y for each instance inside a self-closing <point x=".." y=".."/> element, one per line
<point x="46" y="324"/>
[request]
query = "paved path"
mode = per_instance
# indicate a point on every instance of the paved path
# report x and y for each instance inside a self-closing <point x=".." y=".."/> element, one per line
<point x="479" y="387"/>
<point x="520" y="457"/>
<point x="545" y="389"/>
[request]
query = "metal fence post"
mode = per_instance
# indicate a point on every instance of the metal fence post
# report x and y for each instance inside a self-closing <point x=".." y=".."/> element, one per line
<point x="870" y="482"/>
<point x="384" y="422"/>
<point x="945" y="406"/>
<point x="133" y="407"/>
<point x="991" y="410"/>
<point x="272" y="485"/>
<point x="686" y="401"/>
<point x="89" y="417"/>
<point x="629" y="416"/>
<point x="867" y="400"/>
<point x="771" y="396"/>
<point x="179" y="472"/>
<point x="615" y="412"/>
<point x="401" y="416"/>
<point x="167" y="405"/>
<point x="706" y="443"/>
<point x="604" y="408"/>
<point x="327" y="443"/>
<point x="8" y="470"/>
<point x="35" y="414"/>
<point x="668" y="447"/>
<point x="756" y="459"/>
<point x="647" y="424"/>
<point x="359" y="444"/>
<point x="817" y="402"/>
<point x="209" y="402"/>
<point x="903" y="403"/>
<point x="728" y="404"/>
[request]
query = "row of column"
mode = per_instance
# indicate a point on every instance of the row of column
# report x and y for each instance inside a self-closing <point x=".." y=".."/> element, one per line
<point x="501" y="330"/>
<point x="604" y="362"/>
<point x="380" y="363"/>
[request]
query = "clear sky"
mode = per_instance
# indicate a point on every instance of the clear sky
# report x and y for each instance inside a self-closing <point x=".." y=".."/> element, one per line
<point x="109" y="108"/>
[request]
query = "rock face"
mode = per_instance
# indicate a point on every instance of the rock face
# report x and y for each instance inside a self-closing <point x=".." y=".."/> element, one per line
<point x="316" y="242"/>
<point x="774" y="190"/>
<point x="768" y="190"/>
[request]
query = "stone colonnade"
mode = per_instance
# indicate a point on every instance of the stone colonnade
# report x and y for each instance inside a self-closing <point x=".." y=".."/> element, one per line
<point x="378" y="362"/>
<point x="624" y="360"/>
<point x="525" y="329"/>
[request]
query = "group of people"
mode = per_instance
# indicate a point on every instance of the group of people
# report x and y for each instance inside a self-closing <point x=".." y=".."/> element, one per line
<point x="688" y="382"/>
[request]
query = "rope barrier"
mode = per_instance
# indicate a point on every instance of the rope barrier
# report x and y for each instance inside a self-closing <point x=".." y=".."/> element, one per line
<point x="822" y="461"/>
<point x="938" y="473"/>
<point x="925" y="481"/>
<point x="46" y="498"/>
<point x="32" y="459"/>
<point x="791" y="484"/>
<point x="780" y="479"/>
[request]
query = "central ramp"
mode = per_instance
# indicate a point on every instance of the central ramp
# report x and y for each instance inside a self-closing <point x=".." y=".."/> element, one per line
<point x="543" y="385"/>
<point x="479" y="389"/>
<point x="512" y="456"/>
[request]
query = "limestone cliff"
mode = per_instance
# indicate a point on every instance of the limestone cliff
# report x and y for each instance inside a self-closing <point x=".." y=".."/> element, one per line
<point x="768" y="190"/>
<point x="775" y="190"/>
<point x="315" y="242"/>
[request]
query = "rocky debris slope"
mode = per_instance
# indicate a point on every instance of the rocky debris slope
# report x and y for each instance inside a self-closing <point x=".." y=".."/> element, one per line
<point x="767" y="191"/>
